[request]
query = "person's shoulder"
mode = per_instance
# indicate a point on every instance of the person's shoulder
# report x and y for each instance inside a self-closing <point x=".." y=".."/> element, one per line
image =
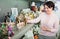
<point x="55" y="16"/>
<point x="43" y="13"/>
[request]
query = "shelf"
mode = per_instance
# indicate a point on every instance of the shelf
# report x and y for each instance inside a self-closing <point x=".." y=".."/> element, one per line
<point x="22" y="31"/>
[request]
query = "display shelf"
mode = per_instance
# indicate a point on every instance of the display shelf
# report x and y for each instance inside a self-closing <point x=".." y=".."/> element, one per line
<point x="22" y="31"/>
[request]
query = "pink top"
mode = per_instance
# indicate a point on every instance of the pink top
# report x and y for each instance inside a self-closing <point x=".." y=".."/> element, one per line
<point x="51" y="21"/>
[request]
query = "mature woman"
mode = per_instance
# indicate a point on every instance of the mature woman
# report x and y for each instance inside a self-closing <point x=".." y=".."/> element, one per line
<point x="49" y="22"/>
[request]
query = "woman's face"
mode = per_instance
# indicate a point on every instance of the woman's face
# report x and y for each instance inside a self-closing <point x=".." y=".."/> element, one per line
<point x="47" y="9"/>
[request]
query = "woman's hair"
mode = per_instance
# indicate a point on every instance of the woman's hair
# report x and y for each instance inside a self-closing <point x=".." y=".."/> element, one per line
<point x="50" y="4"/>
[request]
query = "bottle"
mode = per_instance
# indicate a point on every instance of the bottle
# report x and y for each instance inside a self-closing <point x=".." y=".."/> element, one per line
<point x="10" y="30"/>
<point x="3" y="26"/>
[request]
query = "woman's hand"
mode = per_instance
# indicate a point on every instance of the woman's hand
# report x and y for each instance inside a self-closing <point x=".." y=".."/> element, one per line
<point x="28" y="21"/>
<point x="45" y="28"/>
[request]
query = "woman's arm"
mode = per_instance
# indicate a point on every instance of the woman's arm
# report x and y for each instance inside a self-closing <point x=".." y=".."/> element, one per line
<point x="36" y="20"/>
<point x="56" y="26"/>
<point x="54" y="29"/>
